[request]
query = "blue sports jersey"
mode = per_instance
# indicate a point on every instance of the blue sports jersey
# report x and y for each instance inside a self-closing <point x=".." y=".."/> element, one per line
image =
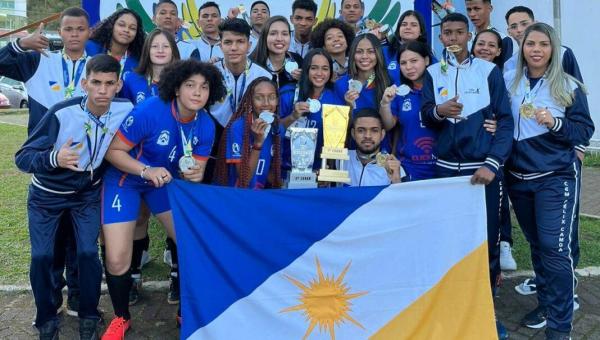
<point x="152" y="129"/>
<point x="136" y="88"/>
<point x="390" y="55"/>
<point x="287" y="99"/>
<point x="128" y="62"/>
<point x="233" y="154"/>
<point x="416" y="142"/>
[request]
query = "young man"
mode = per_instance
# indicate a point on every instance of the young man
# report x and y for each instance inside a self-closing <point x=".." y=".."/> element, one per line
<point x="259" y="14"/>
<point x="237" y="70"/>
<point x="209" y="43"/>
<point x="351" y="12"/>
<point x="479" y="12"/>
<point x="459" y="93"/>
<point x="65" y="155"/>
<point x="367" y="132"/>
<point x="166" y="17"/>
<point x="51" y="77"/>
<point x="304" y="19"/>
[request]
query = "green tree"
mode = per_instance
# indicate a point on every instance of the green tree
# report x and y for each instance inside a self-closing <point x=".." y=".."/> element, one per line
<point x="39" y="9"/>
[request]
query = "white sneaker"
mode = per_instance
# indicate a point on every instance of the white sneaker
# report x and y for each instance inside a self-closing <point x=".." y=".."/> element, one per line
<point x="527" y="287"/>
<point x="167" y="258"/>
<point x="507" y="262"/>
<point x="145" y="259"/>
<point x="575" y="302"/>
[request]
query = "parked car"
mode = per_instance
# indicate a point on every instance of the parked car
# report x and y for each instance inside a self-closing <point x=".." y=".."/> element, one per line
<point x="4" y="102"/>
<point x="15" y="91"/>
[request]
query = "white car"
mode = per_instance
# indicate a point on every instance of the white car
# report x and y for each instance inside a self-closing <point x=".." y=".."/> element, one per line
<point x="15" y="92"/>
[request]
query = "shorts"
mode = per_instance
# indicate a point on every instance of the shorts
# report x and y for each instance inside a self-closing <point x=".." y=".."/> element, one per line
<point x="121" y="203"/>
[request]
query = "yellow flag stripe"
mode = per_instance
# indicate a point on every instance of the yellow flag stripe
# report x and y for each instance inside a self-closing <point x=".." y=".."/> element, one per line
<point x="459" y="306"/>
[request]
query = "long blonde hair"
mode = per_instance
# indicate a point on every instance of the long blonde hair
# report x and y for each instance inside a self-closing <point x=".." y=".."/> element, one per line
<point x="558" y="80"/>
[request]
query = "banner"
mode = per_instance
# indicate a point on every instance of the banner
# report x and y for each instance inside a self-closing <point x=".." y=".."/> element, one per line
<point x="408" y="261"/>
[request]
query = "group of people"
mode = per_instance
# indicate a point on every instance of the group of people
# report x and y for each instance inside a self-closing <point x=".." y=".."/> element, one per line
<point x="117" y="114"/>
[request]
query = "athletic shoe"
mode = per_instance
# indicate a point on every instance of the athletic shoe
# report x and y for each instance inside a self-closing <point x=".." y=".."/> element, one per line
<point x="60" y="308"/>
<point x="575" y="302"/>
<point x="501" y="330"/>
<point x="145" y="259"/>
<point x="116" y="330"/>
<point x="173" y="296"/>
<point x="49" y="331"/>
<point x="527" y="287"/>
<point x="507" y="262"/>
<point x="552" y="334"/>
<point x="136" y="287"/>
<point x="535" y="319"/>
<point x="73" y="305"/>
<point x="167" y="258"/>
<point x="88" y="329"/>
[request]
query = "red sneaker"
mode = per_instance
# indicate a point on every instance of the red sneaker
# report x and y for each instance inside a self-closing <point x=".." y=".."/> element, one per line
<point x="116" y="330"/>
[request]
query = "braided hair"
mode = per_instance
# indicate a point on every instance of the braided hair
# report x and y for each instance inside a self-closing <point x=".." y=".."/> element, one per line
<point x="246" y="111"/>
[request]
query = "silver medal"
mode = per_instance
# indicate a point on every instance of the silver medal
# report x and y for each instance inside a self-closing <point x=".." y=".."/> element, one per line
<point x="355" y="85"/>
<point x="290" y="66"/>
<point x="314" y="105"/>
<point x="186" y="162"/>
<point x="268" y="117"/>
<point x="402" y="90"/>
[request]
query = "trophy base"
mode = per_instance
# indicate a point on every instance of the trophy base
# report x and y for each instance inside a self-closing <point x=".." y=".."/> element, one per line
<point x="301" y="180"/>
<point x="334" y="153"/>
<point x="337" y="176"/>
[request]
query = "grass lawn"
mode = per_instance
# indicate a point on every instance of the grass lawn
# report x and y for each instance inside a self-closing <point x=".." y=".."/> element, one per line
<point x="14" y="236"/>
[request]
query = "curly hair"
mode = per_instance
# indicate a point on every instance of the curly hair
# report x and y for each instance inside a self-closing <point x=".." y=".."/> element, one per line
<point x="145" y="65"/>
<point x="103" y="31"/>
<point x="246" y="110"/>
<point x="317" y="37"/>
<point x="175" y="74"/>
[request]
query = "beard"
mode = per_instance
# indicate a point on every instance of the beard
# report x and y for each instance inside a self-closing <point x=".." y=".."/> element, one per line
<point x="368" y="150"/>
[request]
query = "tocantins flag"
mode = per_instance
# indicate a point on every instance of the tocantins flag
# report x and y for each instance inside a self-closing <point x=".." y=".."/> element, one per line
<point x="407" y="261"/>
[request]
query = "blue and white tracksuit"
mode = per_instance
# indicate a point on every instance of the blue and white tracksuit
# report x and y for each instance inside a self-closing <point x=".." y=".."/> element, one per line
<point x="543" y="187"/>
<point x="55" y="191"/>
<point x="464" y="146"/>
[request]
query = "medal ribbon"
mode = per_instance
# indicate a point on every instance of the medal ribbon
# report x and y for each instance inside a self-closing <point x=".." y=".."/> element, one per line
<point x="68" y="82"/>
<point x="94" y="151"/>
<point x="233" y="102"/>
<point x="186" y="142"/>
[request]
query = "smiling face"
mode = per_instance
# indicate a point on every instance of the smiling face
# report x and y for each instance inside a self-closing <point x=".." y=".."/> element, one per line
<point x="410" y="29"/>
<point x="319" y="72"/>
<point x="125" y="29"/>
<point x="537" y="51"/>
<point x="264" y="98"/>
<point x="161" y="52"/>
<point x="365" y="56"/>
<point x="278" y="38"/>
<point x="486" y="47"/>
<point x="413" y="65"/>
<point x="335" y="41"/>
<point x="193" y="93"/>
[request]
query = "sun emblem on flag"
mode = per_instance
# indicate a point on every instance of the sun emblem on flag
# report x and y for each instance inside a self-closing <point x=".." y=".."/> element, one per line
<point x="325" y="301"/>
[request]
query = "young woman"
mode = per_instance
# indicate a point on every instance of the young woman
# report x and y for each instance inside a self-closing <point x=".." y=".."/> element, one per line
<point x="487" y="45"/>
<point x="164" y="137"/>
<point x="301" y="105"/>
<point x="272" y="53"/>
<point x="334" y="36"/>
<point x="250" y="147"/>
<point x="120" y="35"/>
<point x="411" y="27"/>
<point x="551" y="117"/>
<point x="160" y="50"/>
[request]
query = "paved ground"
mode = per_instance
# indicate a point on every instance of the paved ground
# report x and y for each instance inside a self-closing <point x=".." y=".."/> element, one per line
<point x="153" y="318"/>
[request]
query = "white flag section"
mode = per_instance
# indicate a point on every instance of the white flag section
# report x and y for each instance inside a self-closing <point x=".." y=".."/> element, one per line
<point x="411" y="263"/>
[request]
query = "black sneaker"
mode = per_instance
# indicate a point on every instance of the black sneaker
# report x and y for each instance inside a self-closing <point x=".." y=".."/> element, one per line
<point x="552" y="334"/>
<point x="88" y="329"/>
<point x="136" y="287"/>
<point x="49" y="330"/>
<point x="173" y="296"/>
<point x="535" y="319"/>
<point x="73" y="305"/>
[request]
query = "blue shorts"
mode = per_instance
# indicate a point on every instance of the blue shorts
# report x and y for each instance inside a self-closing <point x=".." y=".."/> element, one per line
<point x="121" y="203"/>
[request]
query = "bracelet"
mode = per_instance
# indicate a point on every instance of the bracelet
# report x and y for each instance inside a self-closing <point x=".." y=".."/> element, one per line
<point x="257" y="148"/>
<point x="146" y="167"/>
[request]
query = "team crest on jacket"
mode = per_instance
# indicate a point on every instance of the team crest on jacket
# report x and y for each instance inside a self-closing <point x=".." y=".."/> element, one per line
<point x="392" y="65"/>
<point x="443" y="91"/>
<point x="406" y="105"/>
<point x="54" y="86"/>
<point x="195" y="141"/>
<point x="235" y="147"/>
<point x="140" y="97"/>
<point x="163" y="138"/>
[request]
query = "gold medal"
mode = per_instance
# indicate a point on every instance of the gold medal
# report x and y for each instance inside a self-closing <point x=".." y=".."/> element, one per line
<point x="381" y="158"/>
<point x="454" y="49"/>
<point x="527" y="110"/>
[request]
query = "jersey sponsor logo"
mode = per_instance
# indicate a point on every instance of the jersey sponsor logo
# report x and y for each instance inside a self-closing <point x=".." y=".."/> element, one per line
<point x="54" y="86"/>
<point x="235" y="148"/>
<point x="127" y="123"/>
<point x="140" y="97"/>
<point x="392" y="65"/>
<point x="195" y="141"/>
<point x="163" y="138"/>
<point x="425" y="143"/>
<point x="406" y="105"/>
<point x="472" y="91"/>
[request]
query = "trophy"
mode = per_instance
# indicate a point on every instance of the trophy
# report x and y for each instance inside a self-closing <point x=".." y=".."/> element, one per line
<point x="303" y="143"/>
<point x="335" y="127"/>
